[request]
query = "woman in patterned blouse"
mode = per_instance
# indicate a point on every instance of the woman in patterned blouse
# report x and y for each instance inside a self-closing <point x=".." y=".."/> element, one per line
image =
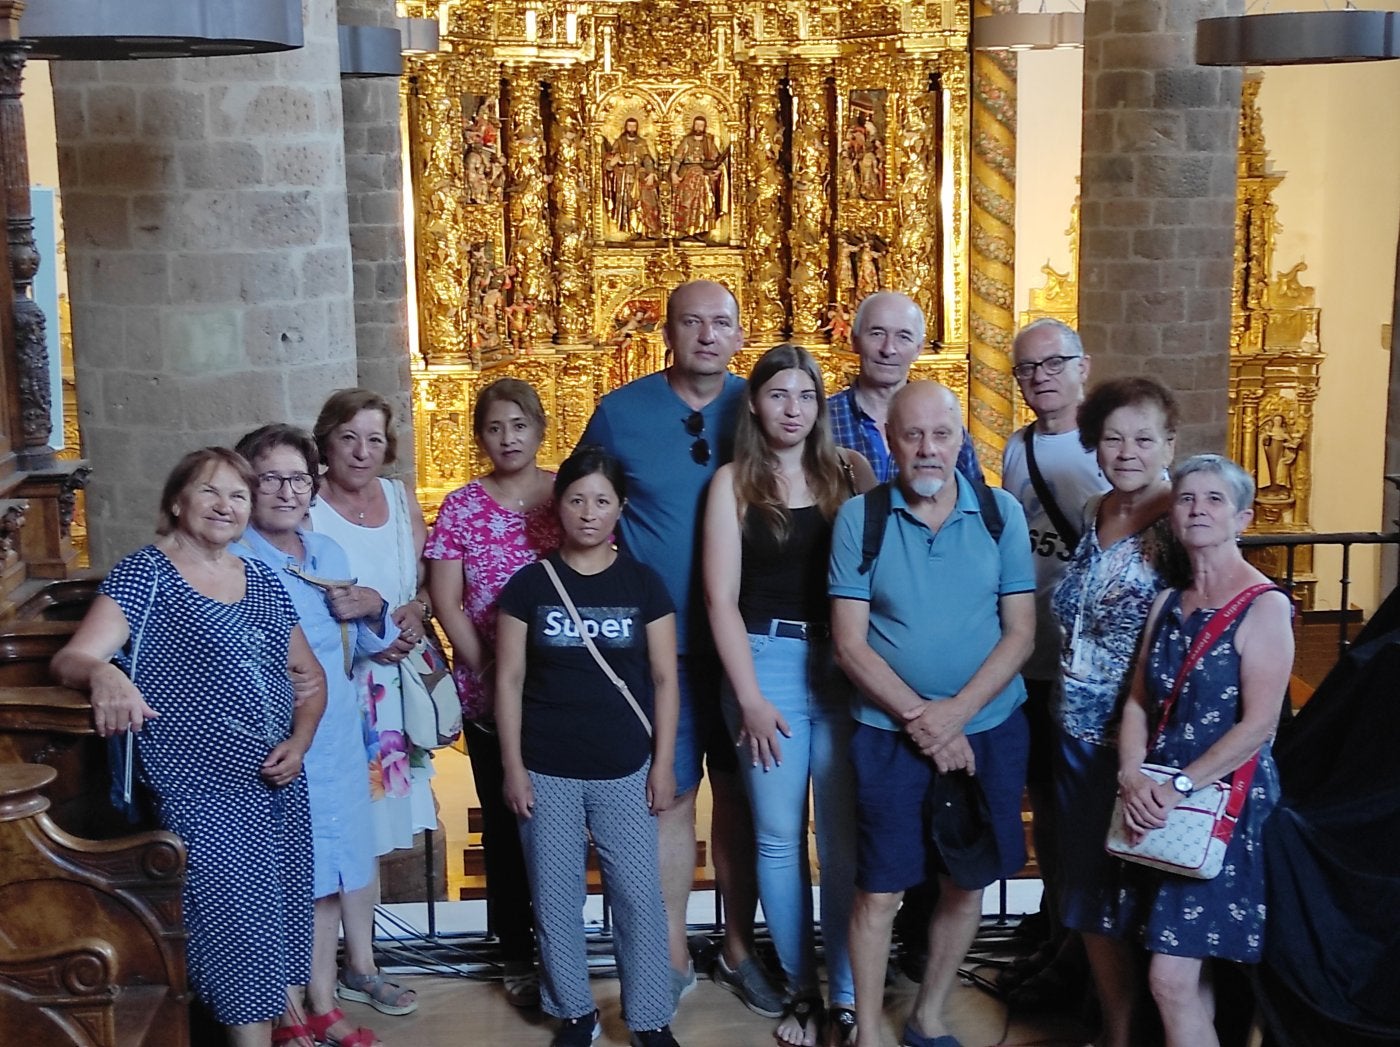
<point x="485" y="532"/>
<point x="1126" y="557"/>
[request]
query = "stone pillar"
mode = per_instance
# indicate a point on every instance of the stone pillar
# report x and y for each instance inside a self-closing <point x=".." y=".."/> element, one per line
<point x="208" y="258"/>
<point x="1158" y="214"/>
<point x="992" y="212"/>
<point x="374" y="203"/>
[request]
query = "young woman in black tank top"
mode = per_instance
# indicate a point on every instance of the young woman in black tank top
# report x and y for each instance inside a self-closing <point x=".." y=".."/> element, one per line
<point x="767" y="540"/>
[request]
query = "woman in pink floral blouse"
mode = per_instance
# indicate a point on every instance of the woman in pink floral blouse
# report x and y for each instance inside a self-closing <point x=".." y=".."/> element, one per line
<point x="485" y="532"/>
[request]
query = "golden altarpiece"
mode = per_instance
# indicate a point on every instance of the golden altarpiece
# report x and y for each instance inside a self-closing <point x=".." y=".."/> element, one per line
<point x="1275" y="354"/>
<point x="573" y="162"/>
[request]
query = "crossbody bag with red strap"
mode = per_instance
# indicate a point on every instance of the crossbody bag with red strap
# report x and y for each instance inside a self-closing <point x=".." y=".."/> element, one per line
<point x="1199" y="828"/>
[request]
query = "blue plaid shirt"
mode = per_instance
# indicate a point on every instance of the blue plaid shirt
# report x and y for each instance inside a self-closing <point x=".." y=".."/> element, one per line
<point x="851" y="427"/>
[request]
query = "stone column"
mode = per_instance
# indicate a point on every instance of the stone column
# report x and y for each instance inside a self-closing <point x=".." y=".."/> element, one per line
<point x="992" y="212"/>
<point x="374" y="203"/>
<point x="1158" y="214"/>
<point x="208" y="258"/>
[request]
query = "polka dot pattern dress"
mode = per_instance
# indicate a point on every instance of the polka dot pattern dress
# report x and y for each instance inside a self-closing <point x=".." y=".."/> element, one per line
<point x="217" y="674"/>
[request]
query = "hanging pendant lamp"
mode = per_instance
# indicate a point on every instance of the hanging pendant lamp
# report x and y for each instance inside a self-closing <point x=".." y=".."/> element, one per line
<point x="1034" y="31"/>
<point x="419" y="36"/>
<point x="103" y="30"/>
<point x="368" y="51"/>
<point x="1299" y="38"/>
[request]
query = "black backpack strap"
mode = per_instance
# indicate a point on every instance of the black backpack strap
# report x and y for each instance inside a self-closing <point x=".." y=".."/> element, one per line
<point x="991" y="512"/>
<point x="878" y="504"/>
<point x="1067" y="531"/>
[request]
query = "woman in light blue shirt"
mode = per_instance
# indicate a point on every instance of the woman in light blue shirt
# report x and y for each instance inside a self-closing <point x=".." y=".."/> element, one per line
<point x="339" y="620"/>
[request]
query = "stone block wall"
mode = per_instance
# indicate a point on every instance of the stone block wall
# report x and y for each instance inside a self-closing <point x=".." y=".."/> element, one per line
<point x="208" y="255"/>
<point x="374" y="192"/>
<point x="1158" y="205"/>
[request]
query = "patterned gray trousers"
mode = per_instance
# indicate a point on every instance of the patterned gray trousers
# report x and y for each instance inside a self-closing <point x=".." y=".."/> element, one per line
<point x="614" y="811"/>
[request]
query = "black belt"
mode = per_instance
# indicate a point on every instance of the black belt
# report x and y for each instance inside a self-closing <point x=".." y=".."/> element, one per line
<point x="789" y="630"/>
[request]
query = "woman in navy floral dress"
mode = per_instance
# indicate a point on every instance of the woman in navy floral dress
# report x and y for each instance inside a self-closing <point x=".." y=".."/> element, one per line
<point x="1227" y="711"/>
<point x="220" y="737"/>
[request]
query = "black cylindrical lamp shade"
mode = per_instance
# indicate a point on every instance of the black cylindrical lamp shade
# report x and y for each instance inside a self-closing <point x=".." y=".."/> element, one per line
<point x="104" y="30"/>
<point x="1298" y="38"/>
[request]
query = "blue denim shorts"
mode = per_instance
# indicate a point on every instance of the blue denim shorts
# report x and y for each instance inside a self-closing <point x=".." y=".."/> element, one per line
<point x="894" y="784"/>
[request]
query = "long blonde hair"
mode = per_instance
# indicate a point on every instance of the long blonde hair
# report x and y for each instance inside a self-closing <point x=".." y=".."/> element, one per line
<point x="757" y="485"/>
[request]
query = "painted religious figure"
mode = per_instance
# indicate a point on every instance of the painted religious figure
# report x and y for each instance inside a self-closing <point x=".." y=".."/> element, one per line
<point x="483" y="166"/>
<point x="631" y="185"/>
<point x="862" y="157"/>
<point x="699" y="192"/>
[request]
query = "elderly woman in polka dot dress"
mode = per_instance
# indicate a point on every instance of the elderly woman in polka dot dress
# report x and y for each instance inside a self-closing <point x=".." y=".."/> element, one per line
<point x="194" y="650"/>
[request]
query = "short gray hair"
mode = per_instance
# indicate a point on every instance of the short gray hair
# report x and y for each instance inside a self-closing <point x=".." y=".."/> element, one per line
<point x="857" y="324"/>
<point x="1240" y="483"/>
<point x="1069" y="337"/>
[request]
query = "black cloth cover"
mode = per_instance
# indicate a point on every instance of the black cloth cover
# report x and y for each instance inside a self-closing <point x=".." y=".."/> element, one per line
<point x="1331" y="969"/>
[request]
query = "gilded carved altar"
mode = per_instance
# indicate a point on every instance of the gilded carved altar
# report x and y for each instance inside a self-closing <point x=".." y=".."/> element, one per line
<point x="573" y="162"/>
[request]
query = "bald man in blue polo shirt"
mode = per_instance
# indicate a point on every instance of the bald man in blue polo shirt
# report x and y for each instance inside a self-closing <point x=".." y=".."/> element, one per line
<point x="933" y="635"/>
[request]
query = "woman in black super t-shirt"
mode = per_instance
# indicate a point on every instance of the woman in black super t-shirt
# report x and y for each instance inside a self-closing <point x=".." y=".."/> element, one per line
<point x="577" y="754"/>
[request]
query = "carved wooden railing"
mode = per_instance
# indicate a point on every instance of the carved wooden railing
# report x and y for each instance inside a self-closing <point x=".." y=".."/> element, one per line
<point x="92" y="949"/>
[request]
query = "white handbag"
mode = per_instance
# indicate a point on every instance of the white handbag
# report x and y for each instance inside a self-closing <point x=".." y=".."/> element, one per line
<point x="1199" y="827"/>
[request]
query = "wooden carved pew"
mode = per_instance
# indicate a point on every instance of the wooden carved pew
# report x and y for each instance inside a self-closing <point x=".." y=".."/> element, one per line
<point x="92" y="944"/>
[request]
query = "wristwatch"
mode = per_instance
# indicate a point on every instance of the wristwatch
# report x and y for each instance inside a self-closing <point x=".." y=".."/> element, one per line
<point x="1183" y="785"/>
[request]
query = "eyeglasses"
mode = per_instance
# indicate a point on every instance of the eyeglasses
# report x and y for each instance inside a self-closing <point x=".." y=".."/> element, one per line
<point x="1052" y="364"/>
<point x="271" y="483"/>
<point x="700" y="449"/>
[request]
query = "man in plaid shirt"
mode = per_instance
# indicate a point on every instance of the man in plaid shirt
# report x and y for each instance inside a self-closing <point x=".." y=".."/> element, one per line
<point x="888" y="334"/>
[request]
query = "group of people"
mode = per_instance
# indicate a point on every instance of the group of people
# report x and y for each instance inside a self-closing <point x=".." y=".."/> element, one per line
<point x="793" y="594"/>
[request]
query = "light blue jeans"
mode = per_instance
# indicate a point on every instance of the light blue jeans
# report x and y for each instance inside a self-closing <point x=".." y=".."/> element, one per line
<point x="813" y="696"/>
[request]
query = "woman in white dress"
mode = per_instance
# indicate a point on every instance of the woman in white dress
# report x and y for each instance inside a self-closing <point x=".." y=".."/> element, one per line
<point x="380" y="526"/>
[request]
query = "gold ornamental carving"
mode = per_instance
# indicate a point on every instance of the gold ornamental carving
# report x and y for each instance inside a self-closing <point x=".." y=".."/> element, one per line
<point x="1275" y="359"/>
<point x="573" y="162"/>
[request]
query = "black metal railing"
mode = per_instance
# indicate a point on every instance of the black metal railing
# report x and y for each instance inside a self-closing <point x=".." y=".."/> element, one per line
<point x="1346" y="539"/>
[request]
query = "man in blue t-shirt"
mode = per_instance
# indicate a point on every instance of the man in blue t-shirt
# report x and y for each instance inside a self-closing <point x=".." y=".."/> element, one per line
<point x="672" y="431"/>
<point x="932" y="633"/>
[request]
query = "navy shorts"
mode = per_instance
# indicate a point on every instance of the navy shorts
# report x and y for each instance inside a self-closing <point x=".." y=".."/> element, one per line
<point x="894" y="784"/>
<point x="701" y="736"/>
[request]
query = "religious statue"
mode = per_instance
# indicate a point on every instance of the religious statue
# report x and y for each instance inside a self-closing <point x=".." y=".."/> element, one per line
<point x="1278" y="450"/>
<point x="861" y="257"/>
<point x="631" y="188"/>
<point x="699" y="197"/>
<point x="483" y="166"/>
<point x="861" y="160"/>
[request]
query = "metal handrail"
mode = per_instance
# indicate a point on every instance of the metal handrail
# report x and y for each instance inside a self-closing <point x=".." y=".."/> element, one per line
<point x="1346" y="539"/>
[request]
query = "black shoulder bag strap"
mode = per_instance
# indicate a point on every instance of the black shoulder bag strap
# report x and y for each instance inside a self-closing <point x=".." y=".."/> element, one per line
<point x="1067" y="531"/>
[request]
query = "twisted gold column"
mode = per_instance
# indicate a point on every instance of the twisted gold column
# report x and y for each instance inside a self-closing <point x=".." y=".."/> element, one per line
<point x="810" y="233"/>
<point x="568" y="150"/>
<point x="764" y="313"/>
<point x="993" y="245"/>
<point x="531" y="249"/>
